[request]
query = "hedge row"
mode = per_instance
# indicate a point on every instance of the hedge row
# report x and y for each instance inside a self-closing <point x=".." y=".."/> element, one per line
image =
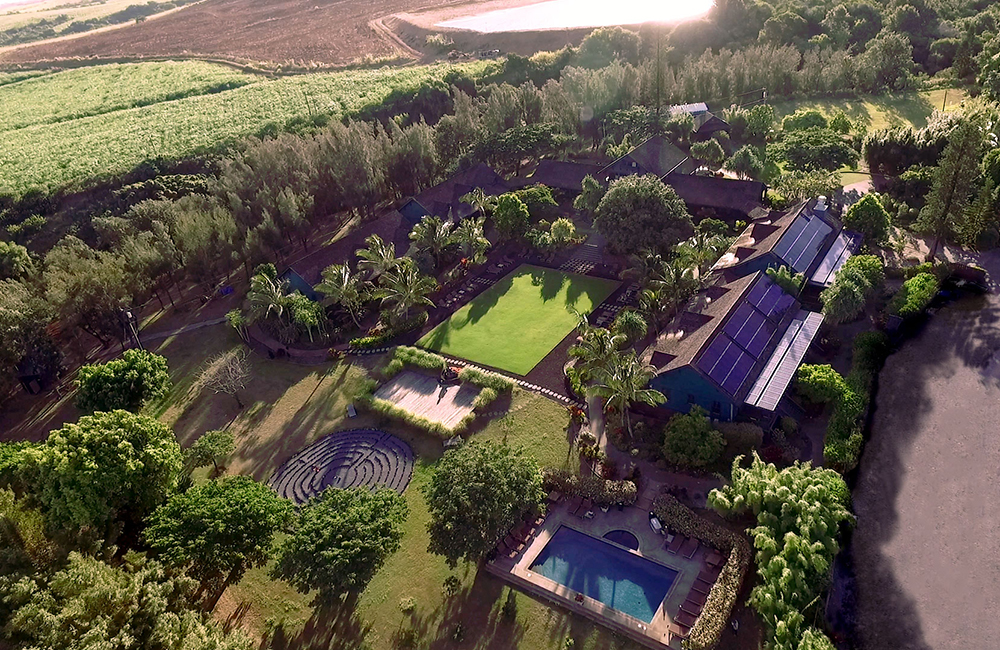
<point x="493" y="380"/>
<point x="405" y="355"/>
<point x="719" y="604"/>
<point x="915" y="295"/>
<point x="601" y="491"/>
<point x="379" y="339"/>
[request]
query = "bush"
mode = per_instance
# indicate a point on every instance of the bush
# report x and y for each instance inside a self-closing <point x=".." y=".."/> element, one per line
<point x="601" y="491"/>
<point x="380" y="339"/>
<point x="914" y="296"/>
<point x="820" y="384"/>
<point x="742" y="436"/>
<point x="493" y="380"/>
<point x="678" y="518"/>
<point x="387" y="408"/>
<point x="485" y="397"/>
<point x="130" y="382"/>
<point x="410" y="356"/>
<point x="690" y="441"/>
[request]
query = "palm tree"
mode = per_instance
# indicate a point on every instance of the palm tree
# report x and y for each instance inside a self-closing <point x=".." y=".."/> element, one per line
<point x="349" y="290"/>
<point x="480" y="200"/>
<point x="267" y="295"/>
<point x="702" y="251"/>
<point x="405" y="288"/>
<point x="434" y="235"/>
<point x="625" y="383"/>
<point x="471" y="240"/>
<point x="379" y="257"/>
<point x="596" y="349"/>
<point x="670" y="284"/>
<point x="305" y="313"/>
<point x="644" y="267"/>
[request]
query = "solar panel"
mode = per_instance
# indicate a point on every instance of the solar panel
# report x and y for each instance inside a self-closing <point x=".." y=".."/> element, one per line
<point x="738" y="374"/>
<point x="801" y="242"/>
<point x="758" y="290"/>
<point x="755" y="326"/>
<point x="739" y="319"/>
<point x="713" y="353"/>
<point x="769" y="300"/>
<point x="759" y="342"/>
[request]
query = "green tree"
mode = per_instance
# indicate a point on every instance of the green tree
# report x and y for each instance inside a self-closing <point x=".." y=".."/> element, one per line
<point x="349" y="290"/>
<point x="745" y="163"/>
<point x="942" y="216"/>
<point x="15" y="262"/>
<point x="820" y="384"/>
<point x="843" y="300"/>
<point x="640" y="212"/>
<point x="90" y="604"/>
<point x="887" y="63"/>
<point x="24" y="316"/>
<point x="596" y="349"/>
<point x="477" y="493"/>
<point x="471" y="239"/>
<point x="136" y="379"/>
<point x="709" y="151"/>
<point x="434" y="235"/>
<point x="267" y="296"/>
<point x="377" y="257"/>
<point x="340" y="541"/>
<point x="630" y="324"/>
<point x="481" y="202"/>
<point x="690" y="441"/>
<point x="511" y="216"/>
<point x="607" y="44"/>
<point x="218" y="530"/>
<point x="209" y="448"/>
<point x="869" y="218"/>
<point x="623" y="384"/>
<point x="563" y="231"/>
<point x="804" y="119"/>
<point x="405" y="289"/>
<point x="106" y="467"/>
<point x="814" y="149"/>
<point x="590" y="195"/>
<point x="789" y="281"/>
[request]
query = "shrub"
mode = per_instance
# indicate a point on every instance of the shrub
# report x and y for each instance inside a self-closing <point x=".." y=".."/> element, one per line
<point x="741" y="435"/>
<point x="719" y="604"/>
<point x="379" y="339"/>
<point x="820" y="384"/>
<point x="690" y="441"/>
<point x="493" y="380"/>
<point x="370" y="342"/>
<point x="387" y="408"/>
<point x="601" y="491"/>
<point x="914" y="296"/>
<point x="869" y="218"/>
<point x="485" y="397"/>
<point x="420" y="358"/>
<point x="630" y="324"/>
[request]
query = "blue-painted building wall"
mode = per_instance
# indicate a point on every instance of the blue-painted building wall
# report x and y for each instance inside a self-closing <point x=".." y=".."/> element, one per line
<point x="685" y="386"/>
<point x="761" y="264"/>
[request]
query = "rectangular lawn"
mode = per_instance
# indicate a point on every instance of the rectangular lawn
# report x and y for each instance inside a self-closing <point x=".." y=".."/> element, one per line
<point x="517" y="321"/>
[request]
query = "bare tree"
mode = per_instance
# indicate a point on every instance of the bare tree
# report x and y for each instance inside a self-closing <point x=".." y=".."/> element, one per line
<point x="227" y="373"/>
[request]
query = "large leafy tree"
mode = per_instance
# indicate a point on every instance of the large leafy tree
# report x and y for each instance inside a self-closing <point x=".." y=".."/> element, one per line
<point x="340" y="541"/>
<point x="209" y="448"/>
<point x="814" y="148"/>
<point x="90" y="604"/>
<point x="103" y="469"/>
<point x="624" y="383"/>
<point x="590" y="195"/>
<point x="799" y="511"/>
<point x="476" y="494"/>
<point x="690" y="441"/>
<point x="23" y="317"/>
<point x="136" y="379"/>
<point x="218" y="530"/>
<point x="641" y="212"/>
<point x="14" y="261"/>
<point x="957" y="170"/>
<point x="869" y="218"/>
<point x="745" y="163"/>
<point x="405" y="289"/>
<point x="349" y="290"/>
<point x="859" y="279"/>
<point x="511" y="216"/>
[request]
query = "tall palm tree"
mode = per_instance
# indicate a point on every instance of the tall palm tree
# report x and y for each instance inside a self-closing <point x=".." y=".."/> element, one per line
<point x="267" y="295"/>
<point x="341" y="287"/>
<point x="379" y="257"/>
<point x="625" y="383"/>
<point x="434" y="235"/>
<point x="480" y="200"/>
<point x="702" y="251"/>
<point x="645" y="265"/>
<point x="471" y="239"/>
<point x="596" y="349"/>
<point x="668" y="287"/>
<point x="405" y="288"/>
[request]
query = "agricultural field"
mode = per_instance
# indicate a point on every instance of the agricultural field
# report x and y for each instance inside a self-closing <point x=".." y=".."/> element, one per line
<point x="72" y="151"/>
<point x="19" y="16"/>
<point x="300" y="31"/>
<point x="110" y="88"/>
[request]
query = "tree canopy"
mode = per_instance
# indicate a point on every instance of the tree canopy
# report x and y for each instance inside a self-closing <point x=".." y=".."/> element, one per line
<point x="340" y="541"/>
<point x="476" y="494"/>
<point x="642" y="212"/>
<point x="129" y="383"/>
<point x="690" y="441"/>
<point x="209" y="448"/>
<point x="106" y="467"/>
<point x="511" y="216"/>
<point x="869" y="218"/>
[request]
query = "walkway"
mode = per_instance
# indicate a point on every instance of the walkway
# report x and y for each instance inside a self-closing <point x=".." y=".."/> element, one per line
<point x="182" y="330"/>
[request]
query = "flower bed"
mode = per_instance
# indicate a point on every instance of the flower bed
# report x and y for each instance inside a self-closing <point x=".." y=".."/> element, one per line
<point x="719" y="604"/>
<point x="601" y="491"/>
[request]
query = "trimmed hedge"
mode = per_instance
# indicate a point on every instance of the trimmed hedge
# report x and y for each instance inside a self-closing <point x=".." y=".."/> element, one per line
<point x="405" y="355"/>
<point x="382" y="338"/>
<point x="915" y="295"/>
<point x="721" y="599"/>
<point x="497" y="382"/>
<point x="485" y="397"/>
<point x="389" y="409"/>
<point x="602" y="492"/>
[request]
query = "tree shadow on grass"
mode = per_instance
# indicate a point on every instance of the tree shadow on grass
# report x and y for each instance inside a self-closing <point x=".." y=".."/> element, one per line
<point x="477" y="609"/>
<point x="336" y="627"/>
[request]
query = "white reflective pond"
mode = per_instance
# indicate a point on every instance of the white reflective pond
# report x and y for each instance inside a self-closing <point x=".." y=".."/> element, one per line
<point x="572" y="14"/>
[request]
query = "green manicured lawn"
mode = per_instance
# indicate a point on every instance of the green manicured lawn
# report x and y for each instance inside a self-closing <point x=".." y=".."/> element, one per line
<point x="877" y="112"/>
<point x="517" y="321"/>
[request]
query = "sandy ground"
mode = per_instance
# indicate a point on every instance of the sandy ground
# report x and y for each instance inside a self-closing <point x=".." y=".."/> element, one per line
<point x="927" y="548"/>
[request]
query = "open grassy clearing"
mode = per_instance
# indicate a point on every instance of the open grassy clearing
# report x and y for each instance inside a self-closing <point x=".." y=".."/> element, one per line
<point x="13" y="77"/>
<point x="516" y="322"/>
<point x="54" y="155"/>
<point x="877" y="112"/>
<point x="290" y="406"/>
<point x="104" y="89"/>
<point x="49" y="9"/>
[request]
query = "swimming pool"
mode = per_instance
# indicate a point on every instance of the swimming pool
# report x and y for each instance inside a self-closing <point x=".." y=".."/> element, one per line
<point x="619" y="579"/>
<point x="623" y="538"/>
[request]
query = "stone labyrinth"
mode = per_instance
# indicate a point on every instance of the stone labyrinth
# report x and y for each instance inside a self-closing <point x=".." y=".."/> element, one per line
<point x="357" y="458"/>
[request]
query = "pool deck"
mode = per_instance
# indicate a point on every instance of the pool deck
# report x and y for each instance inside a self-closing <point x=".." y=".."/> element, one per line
<point x="652" y="546"/>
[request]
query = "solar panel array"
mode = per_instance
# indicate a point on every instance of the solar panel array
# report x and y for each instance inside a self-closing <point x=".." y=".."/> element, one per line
<point x="800" y="244"/>
<point x="734" y="351"/>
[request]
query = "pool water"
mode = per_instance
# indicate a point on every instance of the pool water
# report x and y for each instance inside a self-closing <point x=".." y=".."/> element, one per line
<point x="619" y="579"/>
<point x="623" y="538"/>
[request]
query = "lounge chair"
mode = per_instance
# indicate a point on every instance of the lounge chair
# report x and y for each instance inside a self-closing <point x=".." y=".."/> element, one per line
<point x="575" y="503"/>
<point x="513" y="543"/>
<point x="679" y="631"/>
<point x="708" y="576"/>
<point x="676" y="544"/>
<point x="714" y="559"/>
<point x="689" y="548"/>
<point x="691" y="607"/>
<point x="696" y="596"/>
<point x="701" y="586"/>
<point x="685" y="618"/>
<point x="586" y="506"/>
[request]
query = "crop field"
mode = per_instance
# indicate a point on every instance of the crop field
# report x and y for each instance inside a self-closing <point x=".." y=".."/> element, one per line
<point x="283" y="31"/>
<point x="49" y="9"/>
<point x="50" y="155"/>
<point x="110" y="88"/>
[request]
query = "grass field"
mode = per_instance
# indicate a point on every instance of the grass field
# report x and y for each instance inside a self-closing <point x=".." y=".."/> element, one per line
<point x="71" y="151"/>
<point x="517" y="321"/>
<point x="877" y="112"/>
<point x="49" y="9"/>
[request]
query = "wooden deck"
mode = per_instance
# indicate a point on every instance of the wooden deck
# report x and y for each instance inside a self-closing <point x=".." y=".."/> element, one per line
<point x="422" y="395"/>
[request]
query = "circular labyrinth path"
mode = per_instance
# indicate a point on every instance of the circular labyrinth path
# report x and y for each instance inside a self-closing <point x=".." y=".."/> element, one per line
<point x="346" y="459"/>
